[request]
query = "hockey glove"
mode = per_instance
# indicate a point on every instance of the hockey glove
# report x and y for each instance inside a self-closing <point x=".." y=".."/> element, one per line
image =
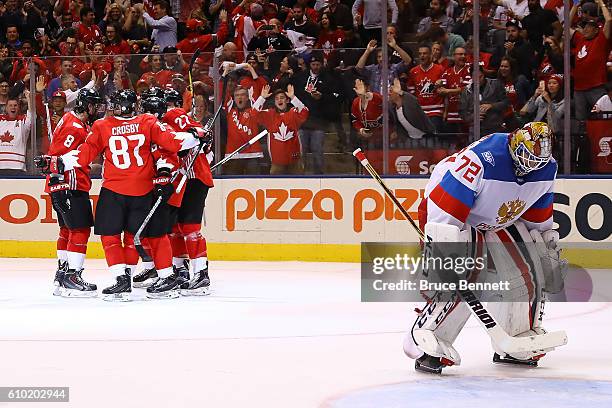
<point x="60" y="194"/>
<point x="204" y="136"/>
<point x="162" y="187"/>
<point x="49" y="164"/>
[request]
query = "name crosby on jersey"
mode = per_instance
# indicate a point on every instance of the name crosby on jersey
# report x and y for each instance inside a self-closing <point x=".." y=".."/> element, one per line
<point x="125" y="129"/>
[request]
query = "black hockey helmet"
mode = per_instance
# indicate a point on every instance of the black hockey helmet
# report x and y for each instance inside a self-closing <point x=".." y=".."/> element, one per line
<point x="124" y="101"/>
<point x="173" y="96"/>
<point x="153" y="105"/>
<point x="88" y="101"/>
<point x="153" y="92"/>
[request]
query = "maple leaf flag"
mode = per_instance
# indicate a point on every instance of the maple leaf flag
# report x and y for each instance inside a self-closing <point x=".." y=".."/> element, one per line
<point x="283" y="134"/>
<point x="6" y="137"/>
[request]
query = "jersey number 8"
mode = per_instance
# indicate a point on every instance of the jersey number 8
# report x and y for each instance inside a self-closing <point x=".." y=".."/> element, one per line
<point x="120" y="153"/>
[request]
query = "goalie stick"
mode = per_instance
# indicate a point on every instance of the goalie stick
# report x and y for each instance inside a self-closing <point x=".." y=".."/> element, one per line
<point x="498" y="335"/>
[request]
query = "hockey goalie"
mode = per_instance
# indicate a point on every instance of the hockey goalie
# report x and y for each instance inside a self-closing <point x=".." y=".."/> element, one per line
<point x="497" y="192"/>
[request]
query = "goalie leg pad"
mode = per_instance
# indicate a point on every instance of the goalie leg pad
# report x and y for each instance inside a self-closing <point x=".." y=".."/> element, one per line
<point x="518" y="310"/>
<point x="437" y="327"/>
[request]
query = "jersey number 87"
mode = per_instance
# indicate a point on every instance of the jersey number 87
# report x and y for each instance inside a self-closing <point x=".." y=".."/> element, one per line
<point x="120" y="150"/>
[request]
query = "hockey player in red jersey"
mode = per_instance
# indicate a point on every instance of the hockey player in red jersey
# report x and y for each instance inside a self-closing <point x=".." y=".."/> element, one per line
<point x="283" y="125"/>
<point x="186" y="238"/>
<point x="128" y="191"/>
<point x="70" y="198"/>
<point x="184" y="209"/>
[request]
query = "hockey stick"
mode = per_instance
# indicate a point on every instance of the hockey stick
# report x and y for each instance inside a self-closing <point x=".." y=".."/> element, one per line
<point x="498" y="335"/>
<point x="49" y="131"/>
<point x="194" y="57"/>
<point x="238" y="150"/>
<point x="145" y="222"/>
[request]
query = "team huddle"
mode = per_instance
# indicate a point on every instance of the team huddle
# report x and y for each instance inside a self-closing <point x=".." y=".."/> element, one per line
<point x="143" y="144"/>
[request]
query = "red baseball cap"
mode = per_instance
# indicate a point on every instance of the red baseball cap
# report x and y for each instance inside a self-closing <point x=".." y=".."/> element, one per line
<point x="59" y="94"/>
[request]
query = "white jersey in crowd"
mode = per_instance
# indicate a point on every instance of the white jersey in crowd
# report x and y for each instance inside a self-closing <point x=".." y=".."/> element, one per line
<point x="478" y="187"/>
<point x="14" y="135"/>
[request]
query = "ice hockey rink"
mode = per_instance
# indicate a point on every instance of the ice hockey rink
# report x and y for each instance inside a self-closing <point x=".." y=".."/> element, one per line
<point x="273" y="334"/>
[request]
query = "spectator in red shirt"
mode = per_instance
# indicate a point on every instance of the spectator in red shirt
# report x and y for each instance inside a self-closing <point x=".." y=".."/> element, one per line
<point x="422" y="83"/>
<point x="115" y="45"/>
<point x="88" y="32"/>
<point x="158" y="76"/>
<point x="367" y="115"/>
<point x="251" y="80"/>
<point x="283" y="124"/>
<point x="591" y="48"/>
<point x="67" y="68"/>
<point x="330" y="37"/>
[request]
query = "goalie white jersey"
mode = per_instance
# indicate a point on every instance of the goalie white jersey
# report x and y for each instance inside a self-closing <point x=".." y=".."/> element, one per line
<point x="478" y="187"/>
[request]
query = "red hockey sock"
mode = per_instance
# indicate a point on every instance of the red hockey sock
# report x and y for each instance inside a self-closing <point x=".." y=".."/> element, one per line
<point x="129" y="249"/>
<point x="161" y="251"/>
<point x="62" y="240"/>
<point x="113" y="251"/>
<point x="177" y="241"/>
<point x="78" y="240"/>
<point x="194" y="241"/>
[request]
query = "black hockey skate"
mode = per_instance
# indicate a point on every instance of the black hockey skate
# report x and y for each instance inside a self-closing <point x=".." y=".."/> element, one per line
<point x="430" y="364"/>
<point x="199" y="285"/>
<point x="121" y="290"/>
<point x="164" y="288"/>
<point x="532" y="362"/>
<point x="182" y="273"/>
<point x="145" y="278"/>
<point x="72" y="285"/>
<point x="62" y="267"/>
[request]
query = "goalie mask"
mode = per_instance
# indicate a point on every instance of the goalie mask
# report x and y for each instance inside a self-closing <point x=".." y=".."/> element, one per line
<point x="531" y="147"/>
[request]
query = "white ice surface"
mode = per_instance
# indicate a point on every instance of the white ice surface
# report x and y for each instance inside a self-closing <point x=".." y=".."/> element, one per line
<point x="287" y="334"/>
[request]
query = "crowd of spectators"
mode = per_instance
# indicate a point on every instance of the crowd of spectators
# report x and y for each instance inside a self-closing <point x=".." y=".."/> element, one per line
<point x="306" y="69"/>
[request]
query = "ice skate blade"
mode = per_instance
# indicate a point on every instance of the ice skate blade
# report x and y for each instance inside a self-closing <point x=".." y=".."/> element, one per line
<point x="170" y="294"/>
<point x="118" y="297"/>
<point x="503" y="360"/>
<point x="74" y="293"/>
<point x="144" y="284"/>
<point x="204" y="291"/>
<point x="426" y="369"/>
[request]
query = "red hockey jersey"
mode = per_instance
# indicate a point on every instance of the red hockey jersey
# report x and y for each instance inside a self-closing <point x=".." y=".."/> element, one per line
<point x="180" y="121"/>
<point x="241" y="127"/>
<point x="69" y="134"/>
<point x="368" y="117"/>
<point x="421" y="82"/>
<point x="283" y="132"/>
<point x="125" y="144"/>
<point x="455" y="79"/>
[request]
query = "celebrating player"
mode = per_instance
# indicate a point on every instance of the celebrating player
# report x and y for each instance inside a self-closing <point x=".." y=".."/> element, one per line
<point x="498" y="190"/>
<point x="69" y="193"/>
<point x="127" y="190"/>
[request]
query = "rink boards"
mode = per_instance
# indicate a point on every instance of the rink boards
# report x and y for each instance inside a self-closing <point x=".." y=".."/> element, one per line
<point x="310" y="219"/>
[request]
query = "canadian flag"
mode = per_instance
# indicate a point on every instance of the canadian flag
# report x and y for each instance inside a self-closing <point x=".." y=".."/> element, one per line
<point x="148" y="6"/>
<point x="283" y="133"/>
